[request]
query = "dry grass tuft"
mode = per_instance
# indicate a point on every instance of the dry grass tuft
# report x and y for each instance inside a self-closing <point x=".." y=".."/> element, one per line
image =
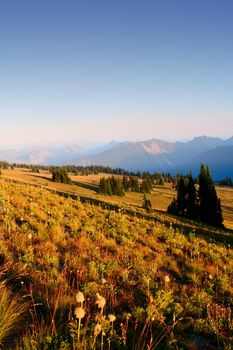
<point x="12" y="314"/>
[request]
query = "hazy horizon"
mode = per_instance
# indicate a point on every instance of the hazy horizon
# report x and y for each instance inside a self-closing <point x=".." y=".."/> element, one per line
<point x="89" y="144"/>
<point x="125" y="70"/>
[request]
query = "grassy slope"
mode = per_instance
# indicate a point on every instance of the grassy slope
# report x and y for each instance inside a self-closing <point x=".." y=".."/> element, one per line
<point x="87" y="186"/>
<point x="52" y="246"/>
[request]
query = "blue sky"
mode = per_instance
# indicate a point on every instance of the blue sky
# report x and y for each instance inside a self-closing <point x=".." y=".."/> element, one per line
<point x="123" y="69"/>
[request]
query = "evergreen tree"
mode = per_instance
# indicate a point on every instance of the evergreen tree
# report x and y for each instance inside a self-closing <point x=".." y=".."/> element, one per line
<point x="60" y="175"/>
<point x="206" y="206"/>
<point x="219" y="221"/>
<point x="125" y="183"/>
<point x="134" y="184"/>
<point x="181" y="197"/>
<point x="108" y="187"/>
<point x="118" y="187"/>
<point x="203" y="194"/>
<point x="102" y="186"/>
<point x="146" y="185"/>
<point x="146" y="204"/>
<point x="111" y="186"/>
<point x="191" y="198"/>
<point x="172" y="208"/>
<point x="209" y="204"/>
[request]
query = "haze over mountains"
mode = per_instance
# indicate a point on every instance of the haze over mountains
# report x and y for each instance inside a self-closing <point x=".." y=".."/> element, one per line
<point x="150" y="155"/>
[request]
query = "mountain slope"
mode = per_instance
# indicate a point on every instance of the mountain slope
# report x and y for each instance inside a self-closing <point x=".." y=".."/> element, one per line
<point x="134" y="156"/>
<point x="151" y="155"/>
<point x="219" y="159"/>
<point x="157" y="155"/>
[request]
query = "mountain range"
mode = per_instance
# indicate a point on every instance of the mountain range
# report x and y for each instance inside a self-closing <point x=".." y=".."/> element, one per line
<point x="150" y="155"/>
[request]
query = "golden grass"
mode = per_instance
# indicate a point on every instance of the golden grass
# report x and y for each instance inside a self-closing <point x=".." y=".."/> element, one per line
<point x="87" y="186"/>
<point x="59" y="246"/>
<point x="12" y="312"/>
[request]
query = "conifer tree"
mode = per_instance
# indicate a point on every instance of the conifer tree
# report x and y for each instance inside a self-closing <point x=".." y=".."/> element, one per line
<point x="102" y="186"/>
<point x="206" y="206"/>
<point x="219" y="221"/>
<point x="181" y="197"/>
<point x="146" y="204"/>
<point x="209" y="204"/>
<point x="108" y="187"/>
<point x="191" y="198"/>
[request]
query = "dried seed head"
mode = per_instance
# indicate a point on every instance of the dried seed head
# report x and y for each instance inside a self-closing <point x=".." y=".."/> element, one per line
<point x="79" y="313"/>
<point x="80" y="297"/>
<point x="167" y="279"/>
<point x="100" y="301"/>
<point x="111" y="318"/>
<point x="98" y="296"/>
<point x="97" y="329"/>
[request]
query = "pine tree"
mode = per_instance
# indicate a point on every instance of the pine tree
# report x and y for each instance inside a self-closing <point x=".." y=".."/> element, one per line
<point x="219" y="221"/>
<point x="118" y="187"/>
<point x="108" y="187"/>
<point x="191" y="198"/>
<point x="206" y="206"/>
<point x="146" y="185"/>
<point x="146" y="204"/>
<point x="181" y="197"/>
<point x="172" y="208"/>
<point x="134" y="184"/>
<point x="209" y="204"/>
<point x="102" y="186"/>
<point x="125" y="183"/>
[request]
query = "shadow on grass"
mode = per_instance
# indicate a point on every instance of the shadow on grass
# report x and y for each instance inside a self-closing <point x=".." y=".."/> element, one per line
<point x="42" y="177"/>
<point x="75" y="183"/>
<point x="210" y="233"/>
<point x="87" y="186"/>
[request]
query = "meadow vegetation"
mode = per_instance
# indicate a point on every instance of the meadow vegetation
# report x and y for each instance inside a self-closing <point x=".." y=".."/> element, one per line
<point x="81" y="276"/>
<point x="87" y="188"/>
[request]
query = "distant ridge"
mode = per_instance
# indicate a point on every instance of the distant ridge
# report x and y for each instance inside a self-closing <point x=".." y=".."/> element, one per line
<point x="149" y="155"/>
<point x="158" y="155"/>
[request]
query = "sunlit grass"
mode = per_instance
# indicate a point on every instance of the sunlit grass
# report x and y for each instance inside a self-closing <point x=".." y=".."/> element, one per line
<point x="160" y="197"/>
<point x="159" y="280"/>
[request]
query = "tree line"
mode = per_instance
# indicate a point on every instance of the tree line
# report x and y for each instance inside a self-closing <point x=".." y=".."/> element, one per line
<point x="118" y="186"/>
<point x="60" y="175"/>
<point x="200" y="203"/>
<point x="226" y="182"/>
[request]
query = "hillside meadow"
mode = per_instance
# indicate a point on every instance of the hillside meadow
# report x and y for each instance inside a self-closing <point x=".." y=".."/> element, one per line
<point x="81" y="276"/>
<point x="88" y="187"/>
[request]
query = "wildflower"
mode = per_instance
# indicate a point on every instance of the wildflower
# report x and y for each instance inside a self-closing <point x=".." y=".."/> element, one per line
<point x="111" y="318"/>
<point x="166" y="279"/>
<point x="97" y="329"/>
<point x="100" y="301"/>
<point x="80" y="297"/>
<point x="30" y="236"/>
<point x="210" y="276"/>
<point x="103" y="280"/>
<point x="79" y="313"/>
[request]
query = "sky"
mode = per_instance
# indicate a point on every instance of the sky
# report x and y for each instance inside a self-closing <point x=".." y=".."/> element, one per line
<point x="98" y="70"/>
